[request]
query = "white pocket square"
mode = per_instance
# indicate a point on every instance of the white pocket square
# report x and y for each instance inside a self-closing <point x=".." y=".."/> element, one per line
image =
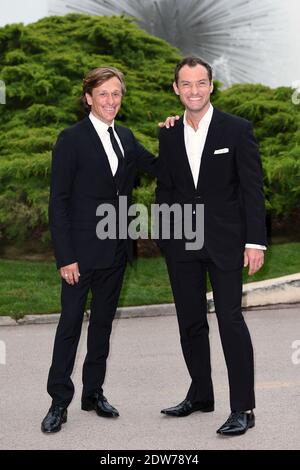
<point x="218" y="151"/>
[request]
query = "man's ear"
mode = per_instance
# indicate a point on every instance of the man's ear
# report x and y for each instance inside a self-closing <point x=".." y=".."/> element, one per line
<point x="211" y="87"/>
<point x="88" y="99"/>
<point x="175" y="88"/>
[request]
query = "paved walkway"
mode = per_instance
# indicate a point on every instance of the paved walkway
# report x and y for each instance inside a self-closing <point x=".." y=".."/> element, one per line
<point x="146" y="373"/>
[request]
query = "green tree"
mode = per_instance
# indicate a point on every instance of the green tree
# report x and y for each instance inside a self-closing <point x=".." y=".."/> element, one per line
<point x="43" y="65"/>
<point x="277" y="127"/>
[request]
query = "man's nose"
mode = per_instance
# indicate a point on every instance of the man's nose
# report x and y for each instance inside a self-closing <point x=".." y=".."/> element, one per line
<point x="194" y="89"/>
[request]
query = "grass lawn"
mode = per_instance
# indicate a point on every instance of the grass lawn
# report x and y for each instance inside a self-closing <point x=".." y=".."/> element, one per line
<point x="34" y="287"/>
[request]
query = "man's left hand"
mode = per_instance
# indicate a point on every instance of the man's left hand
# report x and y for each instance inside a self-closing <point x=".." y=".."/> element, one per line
<point x="254" y="258"/>
<point x="170" y="121"/>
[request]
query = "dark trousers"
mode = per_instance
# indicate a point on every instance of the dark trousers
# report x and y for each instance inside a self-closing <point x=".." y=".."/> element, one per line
<point x="188" y="280"/>
<point x="105" y="286"/>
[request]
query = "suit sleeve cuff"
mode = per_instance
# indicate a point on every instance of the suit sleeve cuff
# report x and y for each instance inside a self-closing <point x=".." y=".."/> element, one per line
<point x="258" y="247"/>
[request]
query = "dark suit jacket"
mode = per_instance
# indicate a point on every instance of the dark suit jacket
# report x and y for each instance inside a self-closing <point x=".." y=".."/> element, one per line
<point x="81" y="179"/>
<point x="230" y="186"/>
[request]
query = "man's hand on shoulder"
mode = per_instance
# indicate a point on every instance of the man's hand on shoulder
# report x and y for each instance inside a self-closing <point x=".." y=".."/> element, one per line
<point x="254" y="258"/>
<point x="169" y="122"/>
<point x="70" y="273"/>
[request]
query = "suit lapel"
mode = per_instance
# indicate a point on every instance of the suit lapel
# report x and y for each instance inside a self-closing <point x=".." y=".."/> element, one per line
<point x="99" y="148"/>
<point x="123" y="136"/>
<point x="213" y="135"/>
<point x="182" y="154"/>
<point x="122" y="133"/>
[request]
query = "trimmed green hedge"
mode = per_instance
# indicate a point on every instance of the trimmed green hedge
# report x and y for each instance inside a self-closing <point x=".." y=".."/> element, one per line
<point x="43" y="65"/>
<point x="277" y="127"/>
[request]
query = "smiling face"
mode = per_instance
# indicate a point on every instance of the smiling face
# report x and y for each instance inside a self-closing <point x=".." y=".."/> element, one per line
<point x="105" y="100"/>
<point x="194" y="89"/>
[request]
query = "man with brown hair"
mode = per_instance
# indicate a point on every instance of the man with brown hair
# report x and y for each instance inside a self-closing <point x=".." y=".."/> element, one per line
<point x="94" y="162"/>
<point x="211" y="158"/>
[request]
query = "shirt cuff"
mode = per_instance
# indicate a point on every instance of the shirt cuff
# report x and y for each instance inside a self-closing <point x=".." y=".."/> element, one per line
<point x="258" y="247"/>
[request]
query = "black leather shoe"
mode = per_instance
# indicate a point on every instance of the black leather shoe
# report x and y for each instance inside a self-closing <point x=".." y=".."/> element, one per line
<point x="185" y="408"/>
<point x="99" y="403"/>
<point x="237" y="423"/>
<point x="56" y="416"/>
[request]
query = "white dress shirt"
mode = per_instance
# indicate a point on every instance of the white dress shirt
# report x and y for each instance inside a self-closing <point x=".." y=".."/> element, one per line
<point x="195" y="141"/>
<point x="194" y="144"/>
<point x="101" y="129"/>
